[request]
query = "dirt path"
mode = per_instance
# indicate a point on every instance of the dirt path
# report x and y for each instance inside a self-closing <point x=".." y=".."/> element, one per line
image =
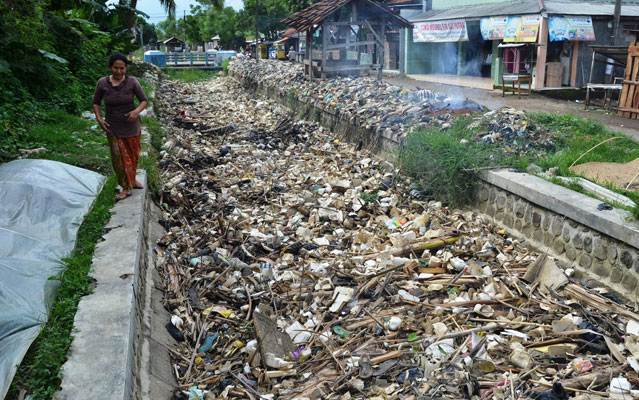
<point x="531" y="103"/>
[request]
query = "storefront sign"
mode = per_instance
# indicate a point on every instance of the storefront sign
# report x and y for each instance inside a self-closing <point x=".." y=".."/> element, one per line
<point x="493" y="28"/>
<point x="453" y="30"/>
<point x="365" y="58"/>
<point x="522" y="29"/>
<point x="570" y="28"/>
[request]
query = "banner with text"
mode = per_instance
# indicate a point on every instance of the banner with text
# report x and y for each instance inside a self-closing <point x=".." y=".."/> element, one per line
<point x="570" y="28"/>
<point x="493" y="28"/>
<point x="453" y="30"/>
<point x="522" y="29"/>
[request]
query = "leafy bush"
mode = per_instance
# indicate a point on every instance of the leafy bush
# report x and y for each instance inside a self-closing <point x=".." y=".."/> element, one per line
<point x="189" y="74"/>
<point x="51" y="55"/>
<point x="445" y="164"/>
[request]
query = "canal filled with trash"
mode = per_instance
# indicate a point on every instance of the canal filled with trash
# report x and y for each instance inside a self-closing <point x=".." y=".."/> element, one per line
<point x="300" y="266"/>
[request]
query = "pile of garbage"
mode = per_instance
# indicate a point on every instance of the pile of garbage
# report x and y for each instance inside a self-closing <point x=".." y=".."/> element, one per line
<point x="395" y="111"/>
<point x="378" y="106"/>
<point x="514" y="132"/>
<point x="298" y="267"/>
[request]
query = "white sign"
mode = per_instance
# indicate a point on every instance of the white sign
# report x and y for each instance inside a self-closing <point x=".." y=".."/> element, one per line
<point x="453" y="30"/>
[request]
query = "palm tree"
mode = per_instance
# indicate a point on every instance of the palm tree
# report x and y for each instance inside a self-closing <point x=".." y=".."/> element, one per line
<point x="169" y="7"/>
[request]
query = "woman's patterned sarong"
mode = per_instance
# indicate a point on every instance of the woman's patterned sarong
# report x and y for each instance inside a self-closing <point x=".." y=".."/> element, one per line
<point x="125" y="154"/>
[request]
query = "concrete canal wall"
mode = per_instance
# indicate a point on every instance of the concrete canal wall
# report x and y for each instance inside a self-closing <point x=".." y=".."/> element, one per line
<point x="602" y="247"/>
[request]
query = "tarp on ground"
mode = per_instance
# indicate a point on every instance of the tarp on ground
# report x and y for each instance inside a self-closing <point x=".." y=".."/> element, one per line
<point x="42" y="205"/>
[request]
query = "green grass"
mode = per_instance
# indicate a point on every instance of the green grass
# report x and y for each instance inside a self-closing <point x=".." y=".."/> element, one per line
<point x="578" y="136"/>
<point x="225" y="66"/>
<point x="70" y="139"/>
<point x="148" y="89"/>
<point x="39" y="371"/>
<point x="150" y="162"/>
<point x="189" y="74"/>
<point x="445" y="164"/>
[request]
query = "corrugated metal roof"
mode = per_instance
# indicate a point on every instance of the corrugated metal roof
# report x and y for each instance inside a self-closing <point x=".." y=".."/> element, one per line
<point x="592" y="9"/>
<point x="478" y="11"/>
<point x="526" y="7"/>
<point x="316" y="13"/>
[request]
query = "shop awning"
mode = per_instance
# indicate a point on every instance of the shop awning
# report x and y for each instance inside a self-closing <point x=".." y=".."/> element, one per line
<point x="511" y="45"/>
<point x="575" y="28"/>
<point x="453" y="30"/>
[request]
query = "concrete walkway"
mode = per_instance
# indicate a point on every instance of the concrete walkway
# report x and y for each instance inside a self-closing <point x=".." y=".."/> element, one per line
<point x="120" y="346"/>
<point x="456" y="80"/>
<point x="534" y="102"/>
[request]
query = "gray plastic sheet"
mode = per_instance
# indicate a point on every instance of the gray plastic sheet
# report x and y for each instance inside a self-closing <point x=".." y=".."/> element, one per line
<point x="42" y="205"/>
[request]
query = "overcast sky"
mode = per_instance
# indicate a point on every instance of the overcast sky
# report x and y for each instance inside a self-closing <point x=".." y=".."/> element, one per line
<point x="157" y="13"/>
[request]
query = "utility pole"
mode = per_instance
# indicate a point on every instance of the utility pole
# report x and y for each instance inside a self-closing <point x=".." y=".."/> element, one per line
<point x="616" y="31"/>
<point x="184" y="30"/>
<point x="256" y="31"/>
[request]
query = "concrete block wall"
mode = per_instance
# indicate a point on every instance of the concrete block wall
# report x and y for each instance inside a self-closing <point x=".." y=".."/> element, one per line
<point x="597" y="258"/>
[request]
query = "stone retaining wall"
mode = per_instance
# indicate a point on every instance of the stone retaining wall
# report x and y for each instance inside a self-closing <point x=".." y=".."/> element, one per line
<point x="596" y="257"/>
<point x="602" y="250"/>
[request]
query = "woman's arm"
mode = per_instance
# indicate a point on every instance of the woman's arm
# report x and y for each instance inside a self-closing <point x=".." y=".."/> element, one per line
<point x="133" y="115"/>
<point x="139" y="93"/>
<point x="97" y="110"/>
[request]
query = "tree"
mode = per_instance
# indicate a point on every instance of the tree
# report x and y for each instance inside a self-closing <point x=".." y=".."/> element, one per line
<point x="270" y="14"/>
<point x="217" y="5"/>
<point x="169" y="27"/>
<point x="131" y="5"/>
<point x="225" y="24"/>
<point x="149" y="32"/>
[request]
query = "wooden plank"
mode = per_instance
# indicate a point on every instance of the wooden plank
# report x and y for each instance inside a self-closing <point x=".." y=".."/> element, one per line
<point x="351" y="44"/>
<point x="354" y="10"/>
<point x="628" y="109"/>
<point x="361" y="23"/>
<point x="380" y="54"/>
<point x="632" y="90"/>
<point x="542" y="50"/>
<point x="309" y="49"/>
<point x="324" y="45"/>
<point x="573" y="64"/>
<point x="634" y="76"/>
<point x="624" y="91"/>
<point x="379" y="40"/>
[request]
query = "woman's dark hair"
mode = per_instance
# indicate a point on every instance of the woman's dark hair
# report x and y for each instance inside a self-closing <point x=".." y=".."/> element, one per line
<point x="117" y="56"/>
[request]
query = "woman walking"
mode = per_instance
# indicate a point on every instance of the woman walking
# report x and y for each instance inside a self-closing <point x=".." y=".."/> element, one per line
<point x="122" y="120"/>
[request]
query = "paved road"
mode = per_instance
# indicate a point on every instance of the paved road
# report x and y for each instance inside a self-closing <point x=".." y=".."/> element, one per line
<point x="534" y="102"/>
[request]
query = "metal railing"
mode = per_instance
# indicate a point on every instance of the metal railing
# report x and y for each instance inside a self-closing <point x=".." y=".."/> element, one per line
<point x="192" y="59"/>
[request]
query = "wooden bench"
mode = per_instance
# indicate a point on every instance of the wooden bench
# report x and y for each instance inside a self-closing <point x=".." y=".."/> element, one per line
<point x="515" y="78"/>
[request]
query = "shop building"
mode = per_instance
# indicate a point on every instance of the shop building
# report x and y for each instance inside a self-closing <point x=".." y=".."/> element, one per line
<point x="475" y="44"/>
